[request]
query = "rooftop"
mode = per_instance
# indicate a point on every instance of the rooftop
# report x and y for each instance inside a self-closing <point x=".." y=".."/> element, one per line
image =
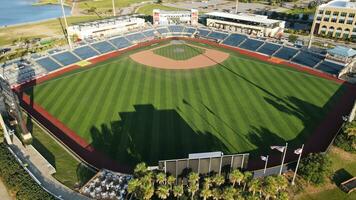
<point x="342" y="51"/>
<point x="174" y="11"/>
<point x="245" y="17"/>
<point x="339" y="4"/>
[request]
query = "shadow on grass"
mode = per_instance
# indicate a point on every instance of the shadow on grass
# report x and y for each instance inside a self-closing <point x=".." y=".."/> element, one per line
<point x="149" y="135"/>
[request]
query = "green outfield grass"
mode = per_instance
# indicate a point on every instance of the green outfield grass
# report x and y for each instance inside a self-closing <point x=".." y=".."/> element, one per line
<point x="137" y="113"/>
<point x="179" y="51"/>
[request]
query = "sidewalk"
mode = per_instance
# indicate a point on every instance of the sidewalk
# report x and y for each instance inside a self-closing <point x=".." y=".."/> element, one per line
<point x="4" y="194"/>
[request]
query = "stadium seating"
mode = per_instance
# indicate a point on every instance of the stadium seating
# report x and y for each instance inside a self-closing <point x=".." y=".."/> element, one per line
<point x="85" y="52"/>
<point x="217" y="35"/>
<point x="48" y="64"/>
<point x="286" y="53"/>
<point x="66" y="58"/>
<point x="330" y="67"/>
<point x="135" y="37"/>
<point x="268" y="48"/>
<point x="251" y="44"/>
<point x="203" y="32"/>
<point x="307" y="59"/>
<point x="175" y="28"/>
<point x="190" y="30"/>
<point x="149" y="33"/>
<point x="120" y="42"/>
<point x="103" y="47"/>
<point x="162" y="30"/>
<point x="234" y="40"/>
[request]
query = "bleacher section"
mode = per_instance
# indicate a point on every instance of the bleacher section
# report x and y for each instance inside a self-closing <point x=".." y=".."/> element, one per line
<point x="251" y="44"/>
<point x="286" y="53"/>
<point x="85" y="52"/>
<point x="307" y="59"/>
<point x="217" y="35"/>
<point x="269" y="48"/>
<point x="103" y="47"/>
<point x="175" y="29"/>
<point x="203" y="32"/>
<point x="330" y="67"/>
<point x="120" y="42"/>
<point x="48" y="64"/>
<point x="234" y="40"/>
<point x="162" y="30"/>
<point x="190" y="30"/>
<point x="66" y="58"/>
<point x="136" y="37"/>
<point x="149" y="33"/>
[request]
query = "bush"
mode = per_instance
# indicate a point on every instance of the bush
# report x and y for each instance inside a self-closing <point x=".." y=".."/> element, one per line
<point x="17" y="180"/>
<point x="346" y="140"/>
<point x="315" y="168"/>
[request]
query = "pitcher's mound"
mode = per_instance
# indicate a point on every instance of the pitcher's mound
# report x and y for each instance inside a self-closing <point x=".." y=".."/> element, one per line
<point x="209" y="57"/>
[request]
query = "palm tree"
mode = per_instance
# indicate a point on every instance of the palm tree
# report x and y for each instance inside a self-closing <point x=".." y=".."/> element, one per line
<point x="247" y="178"/>
<point x="236" y="177"/>
<point x="282" y="195"/>
<point x="218" y="180"/>
<point x="193" y="177"/>
<point x="254" y="185"/>
<point x="148" y="191"/>
<point x="193" y="187"/>
<point x="229" y="193"/>
<point x="207" y="182"/>
<point x="178" y="191"/>
<point x="140" y="169"/>
<point x="217" y="193"/>
<point x="133" y="186"/>
<point x="163" y="191"/>
<point x="270" y="187"/>
<point x="282" y="182"/>
<point x="147" y="179"/>
<point x="171" y="180"/>
<point x="161" y="178"/>
<point x="205" y="193"/>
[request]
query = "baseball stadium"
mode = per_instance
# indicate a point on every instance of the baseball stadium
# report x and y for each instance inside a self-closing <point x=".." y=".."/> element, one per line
<point x="166" y="92"/>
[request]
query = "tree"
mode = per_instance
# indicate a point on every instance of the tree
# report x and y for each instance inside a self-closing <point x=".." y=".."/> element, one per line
<point x="148" y="191"/>
<point x="140" y="169"/>
<point x="205" y="193"/>
<point x="315" y="168"/>
<point x="282" y="195"/>
<point x="133" y="187"/>
<point x="193" y="187"/>
<point x="193" y="177"/>
<point x="178" y="191"/>
<point x="236" y="177"/>
<point x="163" y="191"/>
<point x="216" y="194"/>
<point x="247" y="177"/>
<point x="218" y="180"/>
<point x="229" y="193"/>
<point x="270" y="187"/>
<point x="161" y="178"/>
<point x="171" y="180"/>
<point x="282" y="182"/>
<point x="292" y="38"/>
<point x="254" y="185"/>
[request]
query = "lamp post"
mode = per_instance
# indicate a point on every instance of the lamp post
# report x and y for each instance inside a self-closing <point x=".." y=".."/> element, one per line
<point x="66" y="26"/>
<point x="113" y="8"/>
<point x="298" y="152"/>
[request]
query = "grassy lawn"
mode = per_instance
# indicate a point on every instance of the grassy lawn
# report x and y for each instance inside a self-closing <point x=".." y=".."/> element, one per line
<point x="343" y="167"/>
<point x="69" y="171"/>
<point x="179" y="51"/>
<point x="105" y="4"/>
<point x="136" y="113"/>
<point x="148" y="9"/>
<point x="301" y="11"/>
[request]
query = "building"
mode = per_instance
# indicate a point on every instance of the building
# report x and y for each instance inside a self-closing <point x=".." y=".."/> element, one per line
<point x="251" y="24"/>
<point x="106" y="27"/>
<point x="336" y="19"/>
<point x="341" y="54"/>
<point x="163" y="17"/>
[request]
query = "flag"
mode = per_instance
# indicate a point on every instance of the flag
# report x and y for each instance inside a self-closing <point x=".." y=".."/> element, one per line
<point x="264" y="158"/>
<point x="298" y="151"/>
<point x="279" y="148"/>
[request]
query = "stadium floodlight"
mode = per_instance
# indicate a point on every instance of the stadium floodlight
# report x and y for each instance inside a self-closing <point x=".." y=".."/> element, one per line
<point x="298" y="152"/>
<point x="265" y="158"/>
<point x="237" y="4"/>
<point x="66" y="26"/>
<point x="282" y="149"/>
<point x="313" y="28"/>
<point x="113" y="8"/>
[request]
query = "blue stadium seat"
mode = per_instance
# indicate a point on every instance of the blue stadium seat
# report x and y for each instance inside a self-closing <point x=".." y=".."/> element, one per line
<point x="103" y="47"/>
<point x="269" y="48"/>
<point x="190" y="30"/>
<point x="234" y="40"/>
<point x="65" y="58"/>
<point x="330" y="67"/>
<point x="175" y="28"/>
<point x="203" y="32"/>
<point x="162" y="30"/>
<point x="135" y="37"/>
<point x="120" y="42"/>
<point x="307" y="59"/>
<point x="251" y="44"/>
<point x="286" y="53"/>
<point x="149" y="33"/>
<point x="218" y="35"/>
<point x="85" y="52"/>
<point x="48" y="64"/>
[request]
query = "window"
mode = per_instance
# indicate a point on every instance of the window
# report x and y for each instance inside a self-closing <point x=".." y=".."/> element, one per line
<point x="343" y="14"/>
<point x="341" y="21"/>
<point x="321" y="12"/>
<point x="349" y="22"/>
<point x="354" y="30"/>
<point x="328" y="12"/>
<point x="351" y="14"/>
<point x="335" y="13"/>
<point x="333" y="20"/>
<point x="318" y="18"/>
<point x="326" y="19"/>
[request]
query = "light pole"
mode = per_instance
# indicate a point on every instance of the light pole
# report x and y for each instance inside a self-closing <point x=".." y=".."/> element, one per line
<point x="298" y="152"/>
<point x="113" y="8"/>
<point x="313" y="27"/>
<point x="265" y="158"/>
<point x="282" y="149"/>
<point x="66" y="26"/>
<point x="237" y="4"/>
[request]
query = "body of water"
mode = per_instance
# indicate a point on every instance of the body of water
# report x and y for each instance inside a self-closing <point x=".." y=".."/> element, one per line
<point x="22" y="11"/>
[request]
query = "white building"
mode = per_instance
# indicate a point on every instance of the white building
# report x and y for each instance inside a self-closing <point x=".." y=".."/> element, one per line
<point x="163" y="17"/>
<point x="106" y="27"/>
<point x="252" y="24"/>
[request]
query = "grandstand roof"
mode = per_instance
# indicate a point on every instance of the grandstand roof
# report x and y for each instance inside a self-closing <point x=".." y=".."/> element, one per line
<point x="339" y="4"/>
<point x="342" y="51"/>
<point x="245" y="17"/>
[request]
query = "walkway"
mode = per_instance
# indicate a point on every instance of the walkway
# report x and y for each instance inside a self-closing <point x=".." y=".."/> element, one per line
<point x="4" y="194"/>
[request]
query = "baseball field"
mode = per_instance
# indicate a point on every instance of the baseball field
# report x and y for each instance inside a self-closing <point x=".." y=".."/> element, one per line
<point x="145" y="112"/>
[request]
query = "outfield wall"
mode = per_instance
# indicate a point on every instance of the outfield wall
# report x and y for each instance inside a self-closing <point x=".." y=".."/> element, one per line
<point x="318" y="142"/>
